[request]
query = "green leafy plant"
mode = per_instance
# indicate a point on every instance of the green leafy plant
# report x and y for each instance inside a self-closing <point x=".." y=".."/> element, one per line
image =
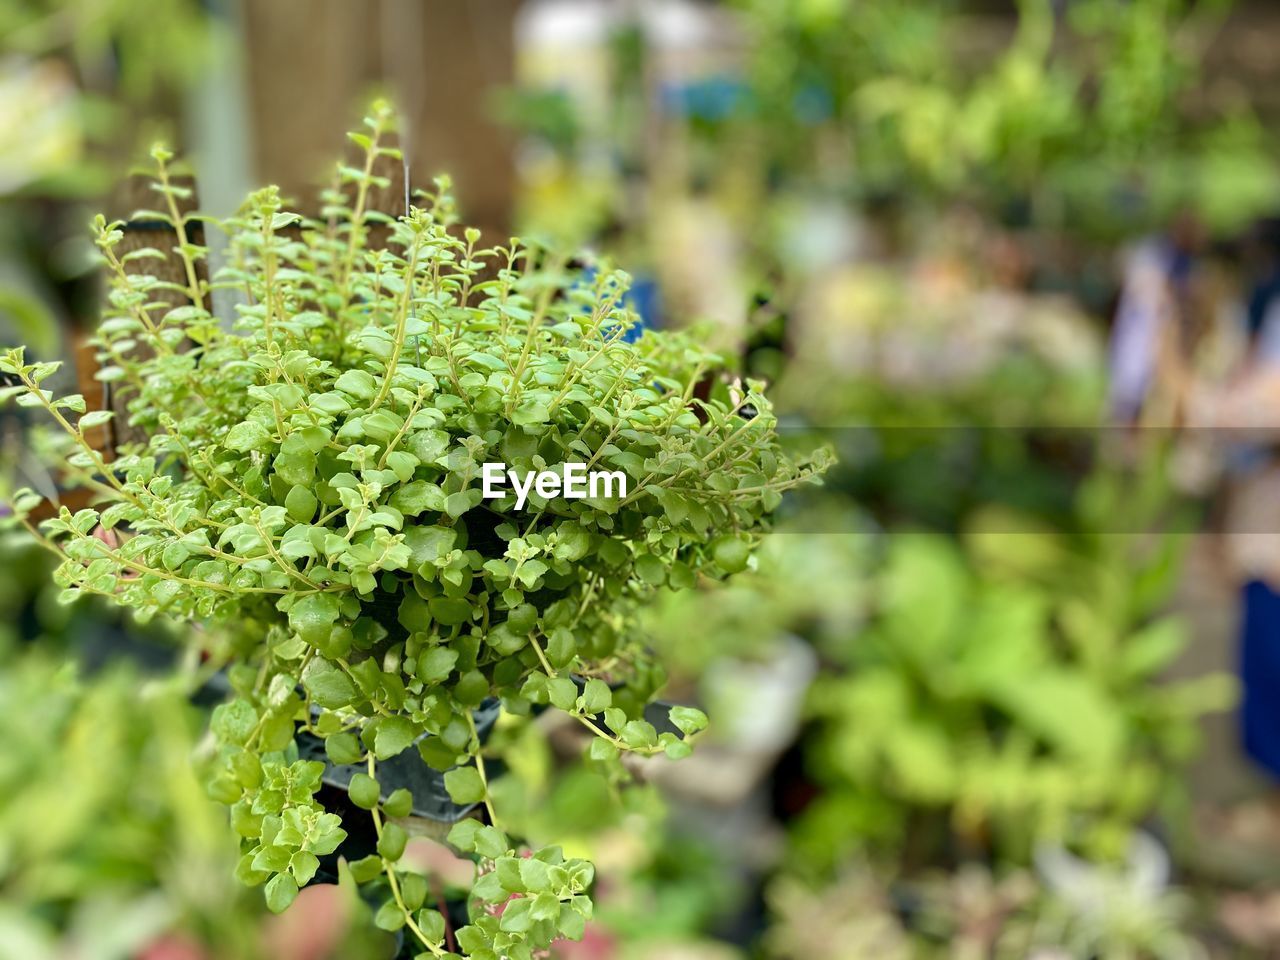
<point x="108" y="843"/>
<point x="1007" y="692"/>
<point x="934" y="103"/>
<point x="312" y="484"/>
<point x="975" y="911"/>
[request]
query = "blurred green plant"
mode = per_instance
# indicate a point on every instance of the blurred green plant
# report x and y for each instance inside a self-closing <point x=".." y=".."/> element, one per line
<point x="1114" y="910"/>
<point x="80" y="81"/>
<point x="98" y="69"/>
<point x="548" y="115"/>
<point x="977" y="912"/>
<point x="140" y="48"/>
<point x="1007" y="691"/>
<point x="1094" y="117"/>
<point x="801" y="582"/>
<point x="108" y="842"/>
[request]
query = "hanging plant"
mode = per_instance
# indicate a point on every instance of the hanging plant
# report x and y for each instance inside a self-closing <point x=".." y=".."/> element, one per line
<point x="314" y="482"/>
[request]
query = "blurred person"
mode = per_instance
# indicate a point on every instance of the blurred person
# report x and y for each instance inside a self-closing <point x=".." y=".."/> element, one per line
<point x="1264" y="299"/>
<point x="1244" y="412"/>
<point x="1256" y="517"/>
<point x="1156" y="324"/>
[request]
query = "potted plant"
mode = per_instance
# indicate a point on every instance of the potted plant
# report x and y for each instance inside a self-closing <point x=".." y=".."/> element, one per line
<point x="314" y="483"/>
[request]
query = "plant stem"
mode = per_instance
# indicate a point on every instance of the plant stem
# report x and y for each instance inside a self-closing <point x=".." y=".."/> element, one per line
<point x="488" y="804"/>
<point x="582" y="718"/>
<point x="402" y="317"/>
<point x="389" y="869"/>
<point x="179" y="223"/>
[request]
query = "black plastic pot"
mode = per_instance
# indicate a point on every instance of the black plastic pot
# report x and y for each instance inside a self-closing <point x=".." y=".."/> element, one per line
<point x="408" y="770"/>
<point x="362" y="841"/>
<point x="657" y="713"/>
<point x="431" y="801"/>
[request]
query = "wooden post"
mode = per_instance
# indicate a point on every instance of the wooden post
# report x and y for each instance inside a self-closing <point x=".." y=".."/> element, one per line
<point x="446" y="65"/>
<point x="314" y="63"/>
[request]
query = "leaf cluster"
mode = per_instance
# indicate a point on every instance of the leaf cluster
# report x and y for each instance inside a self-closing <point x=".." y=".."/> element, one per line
<point x="311" y="482"/>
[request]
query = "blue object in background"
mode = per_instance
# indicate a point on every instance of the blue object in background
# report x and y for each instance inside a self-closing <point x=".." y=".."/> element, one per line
<point x="715" y="98"/>
<point x="1260" y="676"/>
<point x="644" y="297"/>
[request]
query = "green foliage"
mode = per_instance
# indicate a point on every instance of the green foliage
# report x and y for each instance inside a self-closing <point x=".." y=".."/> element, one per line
<point x="1008" y="690"/>
<point x="1082" y="115"/>
<point x="312" y="483"/>
<point x="814" y="585"/>
<point x="1103" y="913"/>
<point x="85" y="77"/>
<point x="150" y="48"/>
<point x="104" y="824"/>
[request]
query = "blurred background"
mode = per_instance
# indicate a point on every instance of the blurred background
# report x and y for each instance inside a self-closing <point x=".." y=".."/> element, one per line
<point x="1008" y="686"/>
